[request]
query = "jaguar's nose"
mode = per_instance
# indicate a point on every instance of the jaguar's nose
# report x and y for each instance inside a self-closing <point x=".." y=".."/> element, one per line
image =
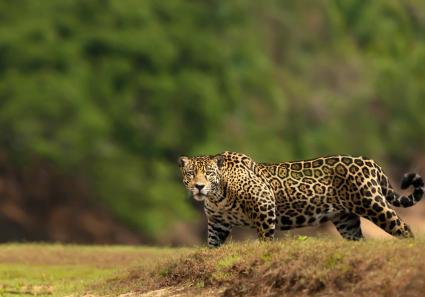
<point x="199" y="186"/>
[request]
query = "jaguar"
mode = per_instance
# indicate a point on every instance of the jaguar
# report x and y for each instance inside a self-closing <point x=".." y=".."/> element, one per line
<point x="237" y="191"/>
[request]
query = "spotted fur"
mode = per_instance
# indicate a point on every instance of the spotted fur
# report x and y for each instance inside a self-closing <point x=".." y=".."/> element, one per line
<point x="238" y="191"/>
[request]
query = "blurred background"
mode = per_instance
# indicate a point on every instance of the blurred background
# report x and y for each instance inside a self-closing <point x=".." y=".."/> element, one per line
<point x="98" y="99"/>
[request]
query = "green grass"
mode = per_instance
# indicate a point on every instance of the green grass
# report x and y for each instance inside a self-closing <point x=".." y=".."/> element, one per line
<point x="63" y="270"/>
<point x="45" y="280"/>
<point x="307" y="267"/>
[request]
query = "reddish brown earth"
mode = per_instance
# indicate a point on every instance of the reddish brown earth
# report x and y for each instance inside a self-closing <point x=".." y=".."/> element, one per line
<point x="39" y="204"/>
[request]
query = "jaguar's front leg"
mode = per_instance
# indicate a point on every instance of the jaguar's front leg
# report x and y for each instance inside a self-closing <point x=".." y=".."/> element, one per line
<point x="217" y="232"/>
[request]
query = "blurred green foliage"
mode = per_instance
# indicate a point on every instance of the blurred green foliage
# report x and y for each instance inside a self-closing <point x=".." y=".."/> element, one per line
<point x="116" y="90"/>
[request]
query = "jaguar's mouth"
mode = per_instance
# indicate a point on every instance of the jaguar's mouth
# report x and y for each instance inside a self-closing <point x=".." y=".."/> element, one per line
<point x="199" y="196"/>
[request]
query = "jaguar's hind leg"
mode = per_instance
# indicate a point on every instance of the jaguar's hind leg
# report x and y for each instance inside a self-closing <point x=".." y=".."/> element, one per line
<point x="348" y="225"/>
<point x="375" y="208"/>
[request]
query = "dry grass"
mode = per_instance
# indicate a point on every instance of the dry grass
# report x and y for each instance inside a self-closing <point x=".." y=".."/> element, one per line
<point x="292" y="267"/>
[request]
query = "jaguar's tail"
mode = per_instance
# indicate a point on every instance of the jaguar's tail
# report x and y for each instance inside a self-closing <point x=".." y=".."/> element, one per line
<point x="410" y="179"/>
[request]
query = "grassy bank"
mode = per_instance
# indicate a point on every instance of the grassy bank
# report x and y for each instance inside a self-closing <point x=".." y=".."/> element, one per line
<point x="292" y="267"/>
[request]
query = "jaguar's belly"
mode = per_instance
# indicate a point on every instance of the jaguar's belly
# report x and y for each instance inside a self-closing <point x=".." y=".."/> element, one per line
<point x="238" y="219"/>
<point x="304" y="213"/>
<point x="232" y="214"/>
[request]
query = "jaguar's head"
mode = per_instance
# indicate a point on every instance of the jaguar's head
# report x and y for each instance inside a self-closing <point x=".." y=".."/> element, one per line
<point x="202" y="176"/>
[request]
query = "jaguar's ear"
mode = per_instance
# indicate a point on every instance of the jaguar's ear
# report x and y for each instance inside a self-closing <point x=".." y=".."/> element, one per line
<point x="183" y="161"/>
<point x="219" y="159"/>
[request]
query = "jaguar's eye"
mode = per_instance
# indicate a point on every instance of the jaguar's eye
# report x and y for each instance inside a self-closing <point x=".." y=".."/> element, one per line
<point x="209" y="173"/>
<point x="190" y="173"/>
